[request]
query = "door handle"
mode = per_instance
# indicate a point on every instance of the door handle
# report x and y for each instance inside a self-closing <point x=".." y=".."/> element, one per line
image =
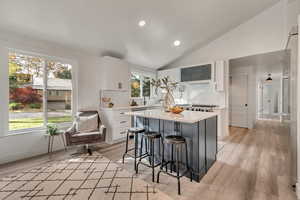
<point x="246" y="105"/>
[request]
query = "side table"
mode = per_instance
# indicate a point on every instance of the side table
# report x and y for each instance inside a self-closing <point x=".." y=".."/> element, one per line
<point x="51" y="140"/>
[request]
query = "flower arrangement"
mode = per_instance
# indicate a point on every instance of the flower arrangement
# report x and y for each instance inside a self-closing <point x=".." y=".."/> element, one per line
<point x="168" y="88"/>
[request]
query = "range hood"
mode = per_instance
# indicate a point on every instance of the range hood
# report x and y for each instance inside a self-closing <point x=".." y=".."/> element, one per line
<point x="197" y="74"/>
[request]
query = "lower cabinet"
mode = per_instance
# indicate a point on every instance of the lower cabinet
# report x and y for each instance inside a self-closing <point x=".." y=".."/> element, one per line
<point x="117" y="124"/>
<point x="222" y="123"/>
<point x="211" y="146"/>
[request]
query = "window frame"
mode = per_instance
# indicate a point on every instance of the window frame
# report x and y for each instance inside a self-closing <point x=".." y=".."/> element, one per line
<point x="142" y="74"/>
<point x="45" y="92"/>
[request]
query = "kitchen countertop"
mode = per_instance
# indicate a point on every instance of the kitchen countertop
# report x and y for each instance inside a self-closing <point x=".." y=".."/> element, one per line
<point x="220" y="108"/>
<point x="131" y="107"/>
<point x="185" y="117"/>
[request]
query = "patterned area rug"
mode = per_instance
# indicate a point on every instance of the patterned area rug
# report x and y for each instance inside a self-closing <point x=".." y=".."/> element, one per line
<point x="85" y="177"/>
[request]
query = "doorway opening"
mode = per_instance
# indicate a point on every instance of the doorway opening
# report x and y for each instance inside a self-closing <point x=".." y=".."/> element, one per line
<point x="259" y="88"/>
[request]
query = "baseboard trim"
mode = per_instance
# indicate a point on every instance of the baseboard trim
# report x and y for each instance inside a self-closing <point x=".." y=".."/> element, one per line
<point x="298" y="190"/>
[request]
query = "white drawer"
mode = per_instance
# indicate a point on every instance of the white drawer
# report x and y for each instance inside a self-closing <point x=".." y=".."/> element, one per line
<point x="119" y="133"/>
<point x="125" y="124"/>
<point x="119" y="115"/>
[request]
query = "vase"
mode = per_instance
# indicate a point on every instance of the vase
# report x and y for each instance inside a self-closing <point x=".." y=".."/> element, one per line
<point x="168" y="101"/>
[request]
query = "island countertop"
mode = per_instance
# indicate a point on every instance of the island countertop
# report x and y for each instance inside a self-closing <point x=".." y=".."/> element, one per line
<point x="185" y="117"/>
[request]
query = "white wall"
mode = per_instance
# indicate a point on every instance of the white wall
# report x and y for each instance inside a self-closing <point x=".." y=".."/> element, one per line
<point x="87" y="85"/>
<point x="292" y="12"/>
<point x="4" y="90"/>
<point x="91" y="76"/>
<point x="263" y="33"/>
<point x="296" y="124"/>
<point x="14" y="147"/>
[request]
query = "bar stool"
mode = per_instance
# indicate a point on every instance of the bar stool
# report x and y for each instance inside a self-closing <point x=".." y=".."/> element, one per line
<point x="135" y="132"/>
<point x="178" y="142"/>
<point x="149" y="137"/>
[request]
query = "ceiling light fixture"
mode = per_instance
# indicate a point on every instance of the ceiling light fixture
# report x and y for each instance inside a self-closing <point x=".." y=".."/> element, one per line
<point x="177" y="43"/>
<point x="142" y="23"/>
<point x="269" y="79"/>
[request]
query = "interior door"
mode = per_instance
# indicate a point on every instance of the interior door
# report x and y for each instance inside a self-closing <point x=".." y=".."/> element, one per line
<point x="267" y="99"/>
<point x="238" y="103"/>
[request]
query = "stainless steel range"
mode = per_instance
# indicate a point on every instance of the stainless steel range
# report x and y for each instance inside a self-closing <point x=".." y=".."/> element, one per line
<point x="200" y="107"/>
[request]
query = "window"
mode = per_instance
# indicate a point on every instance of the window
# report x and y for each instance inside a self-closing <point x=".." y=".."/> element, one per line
<point x="140" y="85"/>
<point x="33" y="84"/>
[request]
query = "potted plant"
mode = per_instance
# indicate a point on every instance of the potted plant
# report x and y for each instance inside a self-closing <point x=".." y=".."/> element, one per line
<point x="52" y="129"/>
<point x="167" y="87"/>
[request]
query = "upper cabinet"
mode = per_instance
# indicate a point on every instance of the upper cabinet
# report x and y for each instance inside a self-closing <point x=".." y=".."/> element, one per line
<point x="219" y="75"/>
<point x="174" y="74"/>
<point x="114" y="74"/>
<point x="213" y="73"/>
<point x="197" y="73"/>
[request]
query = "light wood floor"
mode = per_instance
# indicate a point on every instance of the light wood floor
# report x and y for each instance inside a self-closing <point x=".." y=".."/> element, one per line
<point x="253" y="164"/>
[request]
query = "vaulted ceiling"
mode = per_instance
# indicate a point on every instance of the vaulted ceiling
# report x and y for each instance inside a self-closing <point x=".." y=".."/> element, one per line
<point x="110" y="27"/>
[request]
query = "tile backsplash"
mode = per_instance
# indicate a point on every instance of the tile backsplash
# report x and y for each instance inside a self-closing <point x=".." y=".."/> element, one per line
<point x="202" y="94"/>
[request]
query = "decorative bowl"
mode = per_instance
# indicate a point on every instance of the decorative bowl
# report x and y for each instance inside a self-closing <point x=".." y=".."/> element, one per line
<point x="176" y="109"/>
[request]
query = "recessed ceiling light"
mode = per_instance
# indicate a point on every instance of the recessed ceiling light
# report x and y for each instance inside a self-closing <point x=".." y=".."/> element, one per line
<point x="142" y="23"/>
<point x="177" y="43"/>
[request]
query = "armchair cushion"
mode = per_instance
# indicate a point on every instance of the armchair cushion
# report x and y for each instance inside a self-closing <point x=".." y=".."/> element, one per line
<point x="86" y="134"/>
<point x="87" y="123"/>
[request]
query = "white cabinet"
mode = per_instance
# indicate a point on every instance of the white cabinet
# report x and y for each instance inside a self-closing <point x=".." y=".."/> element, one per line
<point x="114" y="74"/>
<point x="117" y="124"/>
<point x="174" y="74"/>
<point x="222" y="123"/>
<point x="219" y="74"/>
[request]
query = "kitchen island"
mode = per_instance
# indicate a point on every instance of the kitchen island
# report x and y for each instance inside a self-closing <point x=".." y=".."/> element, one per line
<point x="199" y="129"/>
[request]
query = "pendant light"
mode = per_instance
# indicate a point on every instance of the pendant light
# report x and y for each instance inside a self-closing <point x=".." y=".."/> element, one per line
<point x="269" y="79"/>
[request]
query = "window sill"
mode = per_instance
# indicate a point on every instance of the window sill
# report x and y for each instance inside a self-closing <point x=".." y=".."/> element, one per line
<point x="35" y="130"/>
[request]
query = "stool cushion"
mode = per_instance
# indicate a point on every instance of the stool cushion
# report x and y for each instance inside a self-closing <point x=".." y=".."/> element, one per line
<point x="174" y="139"/>
<point x="152" y="135"/>
<point x="136" y="130"/>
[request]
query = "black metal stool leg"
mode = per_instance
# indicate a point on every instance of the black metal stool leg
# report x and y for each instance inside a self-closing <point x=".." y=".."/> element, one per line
<point x="135" y="149"/>
<point x="162" y="160"/>
<point x="172" y="157"/>
<point x="162" y="155"/>
<point x="141" y="147"/>
<point x="142" y="144"/>
<point x="152" y="158"/>
<point x="177" y="168"/>
<point x="146" y="146"/>
<point x="126" y="148"/>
